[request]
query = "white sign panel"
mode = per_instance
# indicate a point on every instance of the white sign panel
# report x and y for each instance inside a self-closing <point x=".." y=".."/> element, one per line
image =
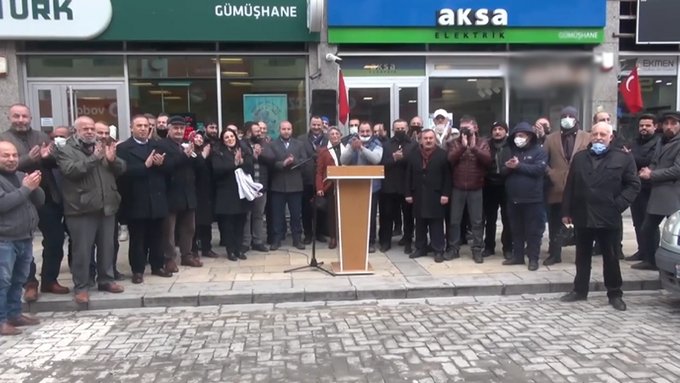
<point x="54" y="19"/>
<point x="658" y="66"/>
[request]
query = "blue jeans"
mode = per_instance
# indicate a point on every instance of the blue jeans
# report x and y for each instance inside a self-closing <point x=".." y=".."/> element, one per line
<point x="15" y="264"/>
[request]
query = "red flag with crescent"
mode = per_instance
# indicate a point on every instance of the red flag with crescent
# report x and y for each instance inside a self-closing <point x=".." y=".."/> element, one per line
<point x="631" y="92"/>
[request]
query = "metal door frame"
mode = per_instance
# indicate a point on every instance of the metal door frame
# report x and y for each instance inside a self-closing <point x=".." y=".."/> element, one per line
<point x="393" y="84"/>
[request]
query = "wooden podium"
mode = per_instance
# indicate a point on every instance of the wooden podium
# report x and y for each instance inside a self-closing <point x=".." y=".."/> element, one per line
<point x="353" y="193"/>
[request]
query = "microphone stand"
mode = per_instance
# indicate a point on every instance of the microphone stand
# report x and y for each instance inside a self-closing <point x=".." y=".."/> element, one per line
<point x="313" y="263"/>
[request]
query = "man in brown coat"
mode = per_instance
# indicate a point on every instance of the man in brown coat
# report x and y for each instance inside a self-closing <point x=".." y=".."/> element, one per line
<point x="561" y="147"/>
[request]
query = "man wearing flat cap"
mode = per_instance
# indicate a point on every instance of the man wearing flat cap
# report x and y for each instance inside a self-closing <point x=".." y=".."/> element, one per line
<point x="663" y="174"/>
<point x="561" y="147"/>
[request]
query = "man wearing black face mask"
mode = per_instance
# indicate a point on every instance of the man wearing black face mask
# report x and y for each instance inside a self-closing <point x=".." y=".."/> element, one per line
<point x="644" y="147"/>
<point x="415" y="127"/>
<point x="392" y="201"/>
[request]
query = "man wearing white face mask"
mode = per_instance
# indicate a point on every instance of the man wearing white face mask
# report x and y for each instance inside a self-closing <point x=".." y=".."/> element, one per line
<point x="366" y="150"/>
<point x="524" y="171"/>
<point x="561" y="147"/>
<point x="441" y="126"/>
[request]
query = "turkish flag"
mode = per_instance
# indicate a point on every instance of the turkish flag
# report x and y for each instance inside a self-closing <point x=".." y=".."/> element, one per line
<point x="631" y="92"/>
<point x="343" y="101"/>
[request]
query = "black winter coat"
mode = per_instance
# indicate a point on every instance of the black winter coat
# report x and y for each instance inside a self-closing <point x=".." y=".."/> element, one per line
<point x="524" y="184"/>
<point x="427" y="186"/>
<point x="309" y="168"/>
<point x="227" y="201"/>
<point x="143" y="190"/>
<point x="204" y="191"/>
<point x="644" y="151"/>
<point x="182" y="178"/>
<point x="395" y="171"/>
<point x="600" y="188"/>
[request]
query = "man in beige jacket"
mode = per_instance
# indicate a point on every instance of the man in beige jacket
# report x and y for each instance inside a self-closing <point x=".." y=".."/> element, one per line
<point x="561" y="146"/>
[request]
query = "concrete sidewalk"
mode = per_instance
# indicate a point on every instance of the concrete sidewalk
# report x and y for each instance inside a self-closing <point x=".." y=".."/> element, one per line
<point x="261" y="279"/>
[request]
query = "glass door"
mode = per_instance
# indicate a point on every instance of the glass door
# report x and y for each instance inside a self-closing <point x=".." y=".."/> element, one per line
<point x="59" y="104"/>
<point x="383" y="100"/>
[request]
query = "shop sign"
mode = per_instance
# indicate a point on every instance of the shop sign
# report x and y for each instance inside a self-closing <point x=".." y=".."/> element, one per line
<point x="466" y="35"/>
<point x="210" y="20"/>
<point x="657" y="22"/>
<point x="461" y="13"/>
<point x="651" y="65"/>
<point x="53" y="19"/>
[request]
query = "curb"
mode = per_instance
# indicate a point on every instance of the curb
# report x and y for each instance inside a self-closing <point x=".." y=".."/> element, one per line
<point x="379" y="291"/>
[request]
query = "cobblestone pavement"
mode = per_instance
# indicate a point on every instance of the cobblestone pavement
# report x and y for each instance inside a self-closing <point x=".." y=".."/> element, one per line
<point x="460" y="339"/>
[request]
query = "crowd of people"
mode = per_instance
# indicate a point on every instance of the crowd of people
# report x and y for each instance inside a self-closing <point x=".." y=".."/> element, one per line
<point x="444" y="186"/>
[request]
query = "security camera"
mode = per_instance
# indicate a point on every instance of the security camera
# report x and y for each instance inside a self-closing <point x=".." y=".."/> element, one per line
<point x="333" y="58"/>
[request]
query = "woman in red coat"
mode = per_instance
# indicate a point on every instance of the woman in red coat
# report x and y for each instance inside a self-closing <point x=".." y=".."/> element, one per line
<point x="329" y="156"/>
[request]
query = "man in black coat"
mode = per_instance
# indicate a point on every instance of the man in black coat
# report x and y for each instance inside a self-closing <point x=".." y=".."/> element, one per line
<point x="287" y="154"/>
<point x="601" y="184"/>
<point x="182" y="161"/>
<point x="144" y="203"/>
<point x="494" y="194"/>
<point x="392" y="193"/>
<point x="311" y="142"/>
<point x="428" y="186"/>
<point x="644" y="147"/>
<point x="254" y="231"/>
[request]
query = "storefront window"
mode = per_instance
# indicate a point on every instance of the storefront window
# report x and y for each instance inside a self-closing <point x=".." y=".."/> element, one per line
<point x="70" y="66"/>
<point x="659" y="94"/>
<point x="269" y="89"/>
<point x="530" y="104"/>
<point x="174" y="85"/>
<point x="481" y="98"/>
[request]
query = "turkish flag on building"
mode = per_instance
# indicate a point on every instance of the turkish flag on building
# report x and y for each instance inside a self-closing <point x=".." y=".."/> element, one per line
<point x="343" y="101"/>
<point x="631" y="92"/>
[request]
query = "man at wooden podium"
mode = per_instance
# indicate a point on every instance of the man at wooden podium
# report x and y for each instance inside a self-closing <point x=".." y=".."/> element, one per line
<point x="428" y="187"/>
<point x="366" y="150"/>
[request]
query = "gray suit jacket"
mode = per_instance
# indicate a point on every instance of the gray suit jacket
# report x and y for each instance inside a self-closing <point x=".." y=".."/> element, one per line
<point x="286" y="179"/>
<point x="665" y="197"/>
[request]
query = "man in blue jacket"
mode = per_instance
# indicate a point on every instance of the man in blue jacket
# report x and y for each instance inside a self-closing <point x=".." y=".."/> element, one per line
<point x="524" y="170"/>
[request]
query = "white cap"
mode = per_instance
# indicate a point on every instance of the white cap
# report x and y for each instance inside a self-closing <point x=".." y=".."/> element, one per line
<point x="440" y="112"/>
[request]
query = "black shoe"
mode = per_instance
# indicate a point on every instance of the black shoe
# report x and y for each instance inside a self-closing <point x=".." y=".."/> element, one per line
<point x="299" y="245"/>
<point x="439" y="257"/>
<point x="232" y="257"/>
<point x="397" y="232"/>
<point x="618" y="303"/>
<point x="552" y="260"/>
<point x="477" y="257"/>
<point x="507" y="254"/>
<point x="488" y="253"/>
<point x="161" y="273"/>
<point x="321" y="238"/>
<point x="644" y="265"/>
<point x="385" y="248"/>
<point x="241" y="256"/>
<point x="573" y="297"/>
<point x="118" y="276"/>
<point x="209" y="254"/>
<point x="408" y="248"/>
<point x="245" y="248"/>
<point x="451" y="254"/>
<point x="513" y="261"/>
<point x="402" y="242"/>
<point x="533" y="265"/>
<point x="417" y="254"/>
<point x="634" y="258"/>
<point x="371" y="249"/>
<point x="275" y="245"/>
<point x="307" y="240"/>
<point x="261" y="248"/>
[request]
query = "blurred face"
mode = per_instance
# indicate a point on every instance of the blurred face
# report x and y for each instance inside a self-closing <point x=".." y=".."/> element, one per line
<point x="140" y="128"/>
<point x="285" y="130"/>
<point x="161" y="122"/>
<point x="61" y="132"/>
<point x="211" y="130"/>
<point x="379" y="130"/>
<point x="671" y="127"/>
<point x="102" y="130"/>
<point x="600" y="134"/>
<point x="152" y="123"/>
<point x="198" y="140"/>
<point x="399" y="127"/>
<point x="542" y="127"/>
<point x="334" y="136"/>
<point x="255" y="131"/>
<point x="468" y="125"/>
<point x="263" y="128"/>
<point x="646" y="127"/>
<point x="9" y="158"/>
<point x="440" y="120"/>
<point x="316" y="126"/>
<point x="176" y="132"/>
<point x="498" y="133"/>
<point x="428" y="139"/>
<point x="20" y="118"/>
<point x="603" y="117"/>
<point x="365" y="130"/>
<point x="85" y="130"/>
<point x="229" y="139"/>
<point x="416" y="122"/>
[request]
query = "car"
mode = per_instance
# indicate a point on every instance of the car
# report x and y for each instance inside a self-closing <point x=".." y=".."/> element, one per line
<point x="668" y="254"/>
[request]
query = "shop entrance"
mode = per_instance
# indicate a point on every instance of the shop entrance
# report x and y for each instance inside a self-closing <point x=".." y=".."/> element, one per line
<point x="383" y="100"/>
<point x="59" y="104"/>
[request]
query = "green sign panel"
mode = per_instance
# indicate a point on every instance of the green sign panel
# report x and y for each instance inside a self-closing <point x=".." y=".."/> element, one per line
<point x="209" y="20"/>
<point x="466" y="35"/>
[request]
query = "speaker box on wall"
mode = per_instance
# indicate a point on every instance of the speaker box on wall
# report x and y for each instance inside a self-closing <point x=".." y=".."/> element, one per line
<point x="325" y="103"/>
